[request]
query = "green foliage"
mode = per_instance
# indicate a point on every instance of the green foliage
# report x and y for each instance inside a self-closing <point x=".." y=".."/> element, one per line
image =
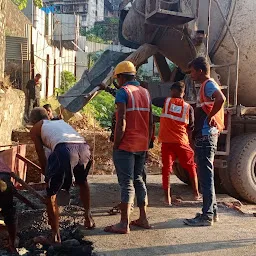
<point x="103" y="31"/>
<point x="23" y="3"/>
<point x="93" y="38"/>
<point x="102" y="108"/>
<point x="93" y="57"/>
<point x="67" y="81"/>
<point x="156" y="110"/>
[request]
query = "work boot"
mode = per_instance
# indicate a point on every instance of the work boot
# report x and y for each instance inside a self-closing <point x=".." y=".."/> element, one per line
<point x="215" y="216"/>
<point x="199" y="221"/>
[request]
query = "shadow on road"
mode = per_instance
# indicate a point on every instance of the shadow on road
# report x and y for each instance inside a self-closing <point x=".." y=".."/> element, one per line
<point x="182" y="248"/>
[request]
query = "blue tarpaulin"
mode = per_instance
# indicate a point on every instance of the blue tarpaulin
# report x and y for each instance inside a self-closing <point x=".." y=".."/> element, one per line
<point x="48" y="9"/>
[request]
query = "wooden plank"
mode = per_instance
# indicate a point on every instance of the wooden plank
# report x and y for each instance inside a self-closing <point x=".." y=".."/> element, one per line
<point x="27" y="161"/>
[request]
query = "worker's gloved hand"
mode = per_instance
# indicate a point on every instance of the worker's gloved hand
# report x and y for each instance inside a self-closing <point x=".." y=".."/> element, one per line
<point x="102" y="86"/>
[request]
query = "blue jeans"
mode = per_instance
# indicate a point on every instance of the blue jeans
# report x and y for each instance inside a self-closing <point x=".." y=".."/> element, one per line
<point x="205" y="148"/>
<point x="129" y="168"/>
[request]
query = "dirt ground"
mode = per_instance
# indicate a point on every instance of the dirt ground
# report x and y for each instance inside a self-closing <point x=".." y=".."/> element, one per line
<point x="233" y="235"/>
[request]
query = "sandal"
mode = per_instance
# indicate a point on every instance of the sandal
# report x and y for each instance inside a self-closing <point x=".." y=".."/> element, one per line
<point x="113" y="229"/>
<point x="137" y="223"/>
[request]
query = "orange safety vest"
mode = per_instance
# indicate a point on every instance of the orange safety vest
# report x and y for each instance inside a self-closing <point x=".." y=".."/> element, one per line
<point x="207" y="104"/>
<point x="136" y="135"/>
<point x="174" y="121"/>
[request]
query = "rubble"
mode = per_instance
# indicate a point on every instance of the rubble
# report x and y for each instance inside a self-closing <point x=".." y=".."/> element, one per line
<point x="34" y="231"/>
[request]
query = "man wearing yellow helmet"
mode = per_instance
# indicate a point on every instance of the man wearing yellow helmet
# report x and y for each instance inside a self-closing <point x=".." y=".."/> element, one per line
<point x="131" y="140"/>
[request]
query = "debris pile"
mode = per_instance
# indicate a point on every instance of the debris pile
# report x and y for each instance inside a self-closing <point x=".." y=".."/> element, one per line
<point x="103" y="147"/>
<point x="34" y="232"/>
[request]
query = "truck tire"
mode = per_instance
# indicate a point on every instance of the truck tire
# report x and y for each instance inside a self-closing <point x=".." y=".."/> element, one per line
<point x="242" y="166"/>
<point x="181" y="173"/>
<point x="225" y="174"/>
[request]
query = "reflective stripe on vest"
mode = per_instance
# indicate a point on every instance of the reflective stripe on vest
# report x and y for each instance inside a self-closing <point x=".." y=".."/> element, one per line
<point x="183" y="118"/>
<point x="133" y="108"/>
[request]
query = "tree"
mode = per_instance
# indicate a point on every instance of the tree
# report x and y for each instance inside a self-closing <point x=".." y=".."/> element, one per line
<point x="23" y="3"/>
<point x="67" y="81"/>
<point x="103" y="31"/>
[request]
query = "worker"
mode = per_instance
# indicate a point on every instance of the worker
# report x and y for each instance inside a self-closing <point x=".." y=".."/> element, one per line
<point x="70" y="157"/>
<point x="48" y="108"/>
<point x="131" y="140"/>
<point x="7" y="205"/>
<point x="116" y="209"/>
<point x="176" y="119"/>
<point x="34" y="87"/>
<point x="209" y="122"/>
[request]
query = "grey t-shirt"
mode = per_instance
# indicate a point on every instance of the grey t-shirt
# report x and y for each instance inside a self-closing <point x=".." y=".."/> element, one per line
<point x="34" y="89"/>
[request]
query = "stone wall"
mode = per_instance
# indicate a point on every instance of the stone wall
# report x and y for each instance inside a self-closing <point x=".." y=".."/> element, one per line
<point x="12" y="105"/>
<point x="15" y="21"/>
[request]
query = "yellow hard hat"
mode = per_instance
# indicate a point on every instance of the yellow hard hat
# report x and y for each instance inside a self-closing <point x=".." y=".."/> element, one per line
<point x="124" y="67"/>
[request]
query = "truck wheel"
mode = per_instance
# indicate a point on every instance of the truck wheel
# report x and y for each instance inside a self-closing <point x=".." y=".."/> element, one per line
<point x="225" y="174"/>
<point x="181" y="173"/>
<point x="242" y="167"/>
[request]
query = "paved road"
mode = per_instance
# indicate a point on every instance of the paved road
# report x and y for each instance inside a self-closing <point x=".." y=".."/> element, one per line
<point x="234" y="235"/>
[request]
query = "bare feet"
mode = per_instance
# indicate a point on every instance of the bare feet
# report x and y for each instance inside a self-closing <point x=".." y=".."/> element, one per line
<point x="120" y="228"/>
<point x="167" y="197"/>
<point x="198" y="197"/>
<point x="176" y="200"/>
<point x="169" y="204"/>
<point x="142" y="223"/>
<point x="89" y="222"/>
<point x="56" y="238"/>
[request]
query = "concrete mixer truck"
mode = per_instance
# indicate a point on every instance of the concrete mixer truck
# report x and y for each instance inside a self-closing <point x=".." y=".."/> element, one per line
<point x="165" y="29"/>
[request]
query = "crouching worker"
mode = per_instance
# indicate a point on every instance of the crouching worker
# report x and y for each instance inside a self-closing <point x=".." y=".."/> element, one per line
<point x="176" y="118"/>
<point x="70" y="157"/>
<point x="7" y="205"/>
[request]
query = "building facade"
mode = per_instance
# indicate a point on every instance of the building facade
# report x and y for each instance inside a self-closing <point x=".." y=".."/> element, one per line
<point x="88" y="11"/>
